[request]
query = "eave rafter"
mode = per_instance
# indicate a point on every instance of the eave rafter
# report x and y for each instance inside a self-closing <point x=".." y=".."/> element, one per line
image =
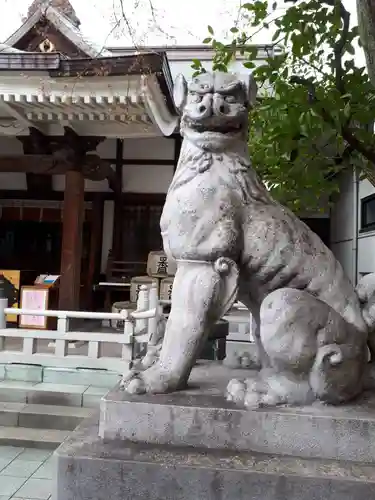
<point x="40" y="110"/>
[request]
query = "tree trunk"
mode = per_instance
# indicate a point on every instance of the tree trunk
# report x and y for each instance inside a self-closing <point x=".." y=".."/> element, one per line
<point x="366" y="23"/>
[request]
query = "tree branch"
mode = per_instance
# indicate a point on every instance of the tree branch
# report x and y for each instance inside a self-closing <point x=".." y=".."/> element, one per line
<point x="346" y="132"/>
<point x="351" y="139"/>
<point x="339" y="46"/>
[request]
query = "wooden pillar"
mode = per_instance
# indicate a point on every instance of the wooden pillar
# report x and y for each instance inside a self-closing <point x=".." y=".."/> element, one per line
<point x="95" y="252"/>
<point x="71" y="253"/>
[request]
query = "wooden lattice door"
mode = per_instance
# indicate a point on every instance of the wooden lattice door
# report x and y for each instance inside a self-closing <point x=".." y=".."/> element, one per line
<point x="140" y="228"/>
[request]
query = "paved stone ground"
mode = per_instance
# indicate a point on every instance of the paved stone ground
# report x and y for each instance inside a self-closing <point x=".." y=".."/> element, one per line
<point x="26" y="473"/>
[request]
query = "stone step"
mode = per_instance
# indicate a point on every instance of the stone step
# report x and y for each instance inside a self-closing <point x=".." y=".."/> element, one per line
<point x="32" y="438"/>
<point x="51" y="394"/>
<point x="72" y="376"/>
<point x="42" y="416"/>
<point x="89" y="467"/>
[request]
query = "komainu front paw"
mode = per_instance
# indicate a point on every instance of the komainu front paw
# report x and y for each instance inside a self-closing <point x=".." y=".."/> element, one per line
<point x="236" y="391"/>
<point x="154" y="380"/>
<point x="132" y="383"/>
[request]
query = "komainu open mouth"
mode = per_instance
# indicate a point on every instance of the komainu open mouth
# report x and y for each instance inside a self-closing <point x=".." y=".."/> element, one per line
<point x="225" y="128"/>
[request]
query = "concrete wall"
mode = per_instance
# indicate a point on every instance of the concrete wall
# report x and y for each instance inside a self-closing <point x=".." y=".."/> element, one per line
<point x="353" y="247"/>
<point x="342" y="226"/>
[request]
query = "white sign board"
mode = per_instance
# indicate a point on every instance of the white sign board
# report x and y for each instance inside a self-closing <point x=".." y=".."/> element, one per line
<point x="35" y="299"/>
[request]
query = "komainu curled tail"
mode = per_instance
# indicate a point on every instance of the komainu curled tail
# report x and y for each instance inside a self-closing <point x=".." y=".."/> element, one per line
<point x="329" y="376"/>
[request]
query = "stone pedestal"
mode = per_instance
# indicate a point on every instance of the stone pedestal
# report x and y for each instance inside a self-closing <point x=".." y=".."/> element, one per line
<point x="193" y="445"/>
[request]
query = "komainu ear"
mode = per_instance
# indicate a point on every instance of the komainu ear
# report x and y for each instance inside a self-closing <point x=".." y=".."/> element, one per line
<point x="251" y="89"/>
<point x="180" y="92"/>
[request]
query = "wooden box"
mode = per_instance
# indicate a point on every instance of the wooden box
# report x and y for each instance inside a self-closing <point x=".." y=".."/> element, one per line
<point x="136" y="284"/>
<point x="166" y="286"/>
<point x="159" y="266"/>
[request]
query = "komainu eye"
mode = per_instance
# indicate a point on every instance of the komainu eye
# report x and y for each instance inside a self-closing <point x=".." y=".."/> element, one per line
<point x="230" y="99"/>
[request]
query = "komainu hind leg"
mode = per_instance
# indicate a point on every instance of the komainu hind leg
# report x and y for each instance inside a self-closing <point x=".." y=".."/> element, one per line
<point x="313" y="353"/>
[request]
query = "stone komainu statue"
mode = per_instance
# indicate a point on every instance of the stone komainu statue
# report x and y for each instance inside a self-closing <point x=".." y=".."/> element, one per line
<point x="231" y="239"/>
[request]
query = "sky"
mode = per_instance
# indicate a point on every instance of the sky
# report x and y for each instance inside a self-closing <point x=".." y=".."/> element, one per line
<point x="172" y="22"/>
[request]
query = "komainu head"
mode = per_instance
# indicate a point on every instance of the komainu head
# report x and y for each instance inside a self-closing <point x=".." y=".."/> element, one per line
<point x="214" y="107"/>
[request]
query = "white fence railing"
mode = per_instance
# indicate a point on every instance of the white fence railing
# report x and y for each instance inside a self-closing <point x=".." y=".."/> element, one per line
<point x="138" y="326"/>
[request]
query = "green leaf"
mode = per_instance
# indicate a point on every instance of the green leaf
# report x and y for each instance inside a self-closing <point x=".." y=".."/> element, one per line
<point x="196" y="64"/>
<point x="210" y="30"/>
<point x="249" y="64"/>
<point x="234" y="30"/>
<point x="207" y="40"/>
<point x="274" y="6"/>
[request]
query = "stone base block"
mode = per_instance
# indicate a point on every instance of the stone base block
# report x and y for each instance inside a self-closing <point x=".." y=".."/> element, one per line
<point x="89" y="468"/>
<point x="200" y="417"/>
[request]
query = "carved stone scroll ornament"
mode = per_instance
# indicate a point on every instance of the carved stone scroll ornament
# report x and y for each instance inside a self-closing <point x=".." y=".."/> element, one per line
<point x="230" y="237"/>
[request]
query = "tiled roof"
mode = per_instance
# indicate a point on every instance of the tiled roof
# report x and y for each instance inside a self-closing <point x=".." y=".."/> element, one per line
<point x="58" y="66"/>
<point x="7" y="49"/>
<point x="63" y="6"/>
<point x="64" y="25"/>
<point x="17" y="60"/>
